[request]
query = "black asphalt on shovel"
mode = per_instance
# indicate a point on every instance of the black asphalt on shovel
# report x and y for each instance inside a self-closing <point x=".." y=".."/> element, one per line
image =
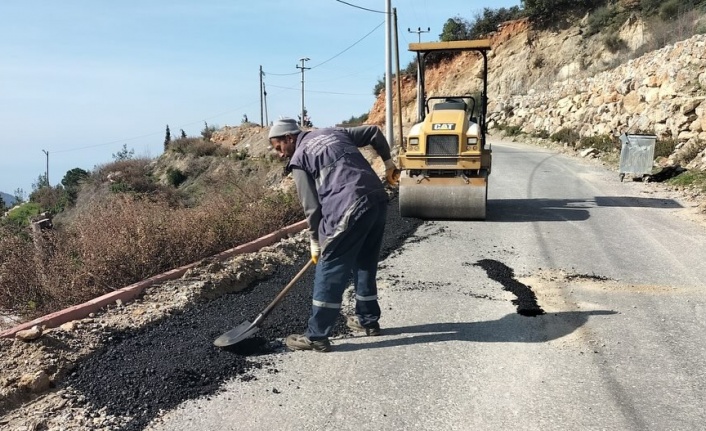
<point x="246" y="329"/>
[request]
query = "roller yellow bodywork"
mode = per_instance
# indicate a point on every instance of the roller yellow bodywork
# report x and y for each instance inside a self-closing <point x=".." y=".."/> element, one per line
<point x="445" y="159"/>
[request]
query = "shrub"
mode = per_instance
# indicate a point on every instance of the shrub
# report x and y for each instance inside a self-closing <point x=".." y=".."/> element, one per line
<point x="487" y="22"/>
<point x="601" y="19"/>
<point x="19" y="216"/>
<point x="604" y="143"/>
<point x="198" y="147"/>
<point x="542" y="134"/>
<point x="355" y="121"/>
<point x="379" y="87"/>
<point x="120" y="240"/>
<point x="614" y="43"/>
<point x="175" y="177"/>
<point x="127" y="175"/>
<point x="509" y="130"/>
<point x="566" y="135"/>
<point x="208" y="131"/>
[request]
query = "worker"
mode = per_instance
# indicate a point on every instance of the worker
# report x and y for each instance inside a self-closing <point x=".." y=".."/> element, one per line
<point x="345" y="204"/>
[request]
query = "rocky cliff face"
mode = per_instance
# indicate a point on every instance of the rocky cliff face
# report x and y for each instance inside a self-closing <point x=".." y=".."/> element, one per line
<point x="546" y="81"/>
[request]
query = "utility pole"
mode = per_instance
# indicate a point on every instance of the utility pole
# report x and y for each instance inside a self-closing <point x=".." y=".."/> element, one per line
<point x="262" y="89"/>
<point x="264" y="94"/>
<point x="389" y="130"/>
<point x="47" y="173"/>
<point x="420" y="96"/>
<point x="303" y="69"/>
<point x="419" y="32"/>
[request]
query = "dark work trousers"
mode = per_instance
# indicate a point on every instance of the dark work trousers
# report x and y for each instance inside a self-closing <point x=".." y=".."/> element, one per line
<point x="355" y="252"/>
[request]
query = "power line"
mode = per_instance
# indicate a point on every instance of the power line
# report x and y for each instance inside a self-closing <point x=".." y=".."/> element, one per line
<point x="337" y="55"/>
<point x="359" y="7"/>
<point x="319" y="91"/>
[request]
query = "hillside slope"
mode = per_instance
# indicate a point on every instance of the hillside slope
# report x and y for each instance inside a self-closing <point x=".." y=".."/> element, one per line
<point x="543" y="81"/>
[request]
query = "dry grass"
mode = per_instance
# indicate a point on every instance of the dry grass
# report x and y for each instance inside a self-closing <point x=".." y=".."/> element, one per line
<point x="131" y="233"/>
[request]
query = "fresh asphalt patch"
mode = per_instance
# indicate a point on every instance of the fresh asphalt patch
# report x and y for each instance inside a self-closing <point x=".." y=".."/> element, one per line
<point x="142" y="372"/>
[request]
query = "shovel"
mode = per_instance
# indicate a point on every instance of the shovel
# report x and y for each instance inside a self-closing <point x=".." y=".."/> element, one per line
<point x="246" y="329"/>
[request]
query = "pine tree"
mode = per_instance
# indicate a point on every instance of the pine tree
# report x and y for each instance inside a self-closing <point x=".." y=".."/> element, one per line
<point x="167" y="139"/>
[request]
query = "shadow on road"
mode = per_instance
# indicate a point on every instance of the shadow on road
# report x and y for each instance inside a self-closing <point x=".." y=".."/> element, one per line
<point x="540" y="209"/>
<point x="512" y="328"/>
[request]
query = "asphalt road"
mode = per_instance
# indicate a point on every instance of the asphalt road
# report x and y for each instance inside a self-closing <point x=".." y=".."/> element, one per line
<point x="578" y="304"/>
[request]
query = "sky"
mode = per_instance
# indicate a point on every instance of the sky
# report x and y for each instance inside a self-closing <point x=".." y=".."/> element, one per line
<point x="82" y="80"/>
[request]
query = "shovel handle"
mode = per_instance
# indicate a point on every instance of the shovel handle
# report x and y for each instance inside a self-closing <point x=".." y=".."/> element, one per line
<point x="282" y="294"/>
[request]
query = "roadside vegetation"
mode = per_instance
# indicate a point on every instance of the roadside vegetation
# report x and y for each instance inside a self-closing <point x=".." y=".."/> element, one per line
<point x="131" y="219"/>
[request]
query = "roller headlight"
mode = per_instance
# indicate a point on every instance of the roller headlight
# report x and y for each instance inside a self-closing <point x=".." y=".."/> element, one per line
<point x="471" y="144"/>
<point x="413" y="144"/>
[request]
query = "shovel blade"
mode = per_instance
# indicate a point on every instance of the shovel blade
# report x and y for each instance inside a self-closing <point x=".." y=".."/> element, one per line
<point x="237" y="334"/>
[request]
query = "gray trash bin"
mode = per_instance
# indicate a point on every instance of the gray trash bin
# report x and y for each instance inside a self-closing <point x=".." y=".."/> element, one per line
<point x="637" y="155"/>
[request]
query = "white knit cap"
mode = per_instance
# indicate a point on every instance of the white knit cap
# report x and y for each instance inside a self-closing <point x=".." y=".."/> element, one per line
<point x="284" y="126"/>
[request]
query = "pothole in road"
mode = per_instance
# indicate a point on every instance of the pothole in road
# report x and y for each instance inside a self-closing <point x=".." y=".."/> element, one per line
<point x="525" y="299"/>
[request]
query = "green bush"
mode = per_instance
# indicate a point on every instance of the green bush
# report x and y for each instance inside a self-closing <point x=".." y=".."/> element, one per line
<point x="566" y="135"/>
<point x="614" y="43"/>
<point x="175" y="177"/>
<point x="19" y="216"/>
<point x="601" y="19"/>
<point x="671" y="9"/>
<point x="509" y="130"/>
<point x="198" y="147"/>
<point x="355" y="121"/>
<point x="488" y="21"/>
<point x="542" y="134"/>
<point x="604" y="143"/>
<point x="379" y="87"/>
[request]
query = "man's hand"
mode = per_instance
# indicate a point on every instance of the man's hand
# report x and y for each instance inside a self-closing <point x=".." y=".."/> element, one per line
<point x="392" y="174"/>
<point x="315" y="250"/>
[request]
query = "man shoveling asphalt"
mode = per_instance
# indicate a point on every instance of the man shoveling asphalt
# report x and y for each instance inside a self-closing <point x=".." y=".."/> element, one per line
<point x="346" y="207"/>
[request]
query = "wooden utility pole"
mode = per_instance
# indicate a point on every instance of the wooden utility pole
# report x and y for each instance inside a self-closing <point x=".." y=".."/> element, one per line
<point x="262" y="95"/>
<point x="399" y="84"/>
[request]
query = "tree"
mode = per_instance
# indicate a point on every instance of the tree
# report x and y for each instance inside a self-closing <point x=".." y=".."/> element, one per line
<point x="183" y="134"/>
<point x="123" y="154"/>
<point x="19" y="195"/>
<point x="487" y="22"/>
<point x="72" y="183"/>
<point x="307" y="119"/>
<point x="42" y="181"/>
<point x="73" y="177"/>
<point x="3" y="206"/>
<point x="548" y="12"/>
<point x="455" y="28"/>
<point x="207" y="131"/>
<point x="167" y="138"/>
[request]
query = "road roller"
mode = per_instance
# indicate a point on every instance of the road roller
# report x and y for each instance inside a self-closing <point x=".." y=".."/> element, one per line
<point x="445" y="159"/>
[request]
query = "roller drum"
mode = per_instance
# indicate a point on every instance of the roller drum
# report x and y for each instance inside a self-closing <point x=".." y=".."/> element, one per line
<point x="444" y="198"/>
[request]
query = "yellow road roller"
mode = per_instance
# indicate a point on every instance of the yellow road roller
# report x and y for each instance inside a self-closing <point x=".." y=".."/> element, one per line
<point x="445" y="159"/>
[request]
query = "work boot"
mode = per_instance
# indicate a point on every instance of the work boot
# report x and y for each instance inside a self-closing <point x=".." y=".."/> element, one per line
<point x="353" y="324"/>
<point x="302" y="342"/>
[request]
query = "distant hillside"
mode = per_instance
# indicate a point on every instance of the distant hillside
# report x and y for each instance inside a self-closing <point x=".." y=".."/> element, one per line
<point x="8" y="199"/>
